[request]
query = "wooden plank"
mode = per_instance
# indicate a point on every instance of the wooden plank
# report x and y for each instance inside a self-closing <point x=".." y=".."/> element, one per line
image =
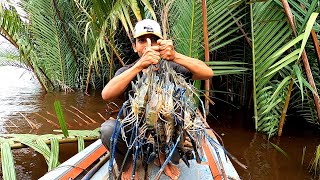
<point x="212" y="164"/>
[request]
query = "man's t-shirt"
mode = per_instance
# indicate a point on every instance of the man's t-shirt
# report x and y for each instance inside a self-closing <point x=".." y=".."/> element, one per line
<point x="178" y="68"/>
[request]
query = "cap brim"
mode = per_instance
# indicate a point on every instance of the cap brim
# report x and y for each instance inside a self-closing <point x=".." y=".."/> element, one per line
<point x="144" y="33"/>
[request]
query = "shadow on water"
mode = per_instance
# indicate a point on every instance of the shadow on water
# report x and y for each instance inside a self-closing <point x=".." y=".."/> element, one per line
<point x="254" y="150"/>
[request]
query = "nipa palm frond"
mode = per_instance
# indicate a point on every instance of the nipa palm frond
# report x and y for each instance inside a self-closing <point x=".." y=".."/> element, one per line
<point x="270" y="31"/>
<point x="186" y="28"/>
<point x="7" y="162"/>
<point x="52" y="49"/>
<point x="222" y="18"/>
<point x="305" y="107"/>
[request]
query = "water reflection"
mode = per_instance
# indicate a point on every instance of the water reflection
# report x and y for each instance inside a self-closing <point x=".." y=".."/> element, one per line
<point x="21" y="98"/>
<point x="263" y="160"/>
<point x="19" y="92"/>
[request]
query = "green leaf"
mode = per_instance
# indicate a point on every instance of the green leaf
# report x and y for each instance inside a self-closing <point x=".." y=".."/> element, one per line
<point x="62" y="122"/>
<point x="280" y="150"/>
<point x="287" y="46"/>
<point x="309" y="26"/>
<point x="298" y="73"/>
<point x="80" y="143"/>
<point x="292" y="54"/>
<point x="225" y="63"/>
<point x="7" y="162"/>
<point x="306" y="83"/>
<point x="307" y="16"/>
<point x="288" y="61"/>
<point x="279" y="88"/>
<point x="149" y="7"/>
<point x="54" y="156"/>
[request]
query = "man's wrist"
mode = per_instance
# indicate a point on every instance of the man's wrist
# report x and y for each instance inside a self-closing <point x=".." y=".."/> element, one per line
<point x="137" y="68"/>
<point x="177" y="57"/>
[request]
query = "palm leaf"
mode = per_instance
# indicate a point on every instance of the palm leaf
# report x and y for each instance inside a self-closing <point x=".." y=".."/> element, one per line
<point x="226" y="67"/>
<point x="80" y="143"/>
<point x="269" y="32"/>
<point x="54" y="156"/>
<point x="62" y="122"/>
<point x="280" y="150"/>
<point x="7" y="162"/>
<point x="53" y="52"/>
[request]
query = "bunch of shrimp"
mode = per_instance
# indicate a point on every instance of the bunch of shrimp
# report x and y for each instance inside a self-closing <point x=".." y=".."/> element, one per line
<point x="162" y="114"/>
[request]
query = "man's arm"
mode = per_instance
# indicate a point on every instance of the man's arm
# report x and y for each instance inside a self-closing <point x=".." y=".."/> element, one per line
<point x="117" y="85"/>
<point x="199" y="70"/>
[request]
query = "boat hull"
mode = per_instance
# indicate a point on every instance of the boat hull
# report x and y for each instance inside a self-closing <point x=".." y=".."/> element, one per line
<point x="214" y="164"/>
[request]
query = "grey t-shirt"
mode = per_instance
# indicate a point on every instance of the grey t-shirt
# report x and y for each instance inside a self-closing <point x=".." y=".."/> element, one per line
<point x="178" y="68"/>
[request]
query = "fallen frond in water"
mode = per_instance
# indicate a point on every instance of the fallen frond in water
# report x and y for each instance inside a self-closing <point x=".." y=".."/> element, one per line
<point x="280" y="150"/>
<point x="93" y="121"/>
<point x="77" y="116"/>
<point x="31" y="124"/>
<point x="48" y="120"/>
<point x="102" y="117"/>
<point x="303" y="154"/>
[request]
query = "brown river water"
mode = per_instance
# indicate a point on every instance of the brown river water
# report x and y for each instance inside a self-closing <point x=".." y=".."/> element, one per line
<point x="20" y="93"/>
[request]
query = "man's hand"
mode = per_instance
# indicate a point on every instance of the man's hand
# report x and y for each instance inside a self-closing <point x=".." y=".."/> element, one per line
<point x="150" y="56"/>
<point x="167" y="51"/>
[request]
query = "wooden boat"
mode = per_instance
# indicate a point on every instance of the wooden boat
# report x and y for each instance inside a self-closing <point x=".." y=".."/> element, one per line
<point x="92" y="163"/>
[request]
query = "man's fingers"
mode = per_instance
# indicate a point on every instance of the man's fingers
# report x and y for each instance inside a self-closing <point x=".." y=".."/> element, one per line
<point x="155" y="48"/>
<point x="162" y="52"/>
<point x="149" y="42"/>
<point x="156" y="53"/>
<point x="155" y="61"/>
<point x="165" y="42"/>
<point x="156" y="57"/>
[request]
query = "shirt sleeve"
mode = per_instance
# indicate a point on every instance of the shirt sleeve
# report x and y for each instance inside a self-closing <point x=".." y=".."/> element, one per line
<point x="181" y="70"/>
<point x="121" y="70"/>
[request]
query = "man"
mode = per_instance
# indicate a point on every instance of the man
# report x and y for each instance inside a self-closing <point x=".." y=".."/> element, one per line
<point x="151" y="47"/>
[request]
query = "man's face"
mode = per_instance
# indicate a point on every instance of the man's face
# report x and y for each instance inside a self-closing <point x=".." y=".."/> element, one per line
<point x="141" y="43"/>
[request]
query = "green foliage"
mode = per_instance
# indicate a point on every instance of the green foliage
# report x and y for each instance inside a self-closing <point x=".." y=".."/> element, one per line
<point x="54" y="156"/>
<point x="226" y="67"/>
<point x="62" y="122"/>
<point x="302" y="106"/>
<point x="7" y="162"/>
<point x="315" y="163"/>
<point x="70" y="45"/>
<point x="273" y="67"/>
<point x="80" y="143"/>
<point x="38" y="143"/>
<point x="280" y="150"/>
<point x="270" y="31"/>
<point x="72" y="41"/>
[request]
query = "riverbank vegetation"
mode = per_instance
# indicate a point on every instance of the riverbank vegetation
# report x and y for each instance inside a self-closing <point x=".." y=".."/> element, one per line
<point x="265" y="54"/>
<point x="256" y="48"/>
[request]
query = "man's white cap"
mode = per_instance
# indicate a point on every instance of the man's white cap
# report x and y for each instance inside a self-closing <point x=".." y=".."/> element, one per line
<point x="147" y="26"/>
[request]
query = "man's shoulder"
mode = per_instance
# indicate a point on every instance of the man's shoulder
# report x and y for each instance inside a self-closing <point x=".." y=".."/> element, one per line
<point x="123" y="68"/>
